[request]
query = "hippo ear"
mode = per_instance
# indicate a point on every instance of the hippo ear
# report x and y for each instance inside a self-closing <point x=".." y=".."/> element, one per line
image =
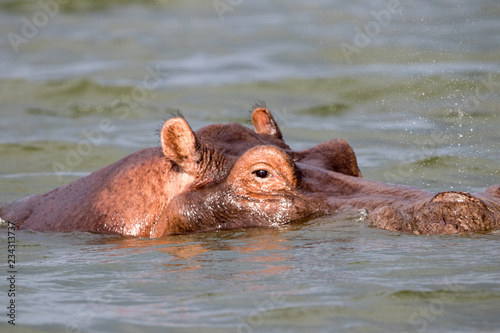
<point x="264" y="123"/>
<point x="179" y="144"/>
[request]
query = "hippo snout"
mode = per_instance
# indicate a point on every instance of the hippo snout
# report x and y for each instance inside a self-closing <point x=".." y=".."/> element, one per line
<point x="446" y="213"/>
<point x="455" y="212"/>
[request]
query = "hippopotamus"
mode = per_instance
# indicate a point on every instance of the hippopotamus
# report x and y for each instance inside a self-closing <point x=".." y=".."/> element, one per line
<point x="229" y="176"/>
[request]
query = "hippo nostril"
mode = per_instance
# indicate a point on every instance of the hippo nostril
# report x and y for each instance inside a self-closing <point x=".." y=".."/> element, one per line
<point x="455" y="212"/>
<point x="261" y="173"/>
<point x="456" y="197"/>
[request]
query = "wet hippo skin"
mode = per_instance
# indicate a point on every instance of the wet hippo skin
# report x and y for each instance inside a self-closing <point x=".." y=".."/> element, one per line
<point x="228" y="176"/>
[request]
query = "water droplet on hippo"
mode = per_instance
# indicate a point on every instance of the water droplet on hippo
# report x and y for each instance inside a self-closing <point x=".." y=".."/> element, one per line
<point x="362" y="215"/>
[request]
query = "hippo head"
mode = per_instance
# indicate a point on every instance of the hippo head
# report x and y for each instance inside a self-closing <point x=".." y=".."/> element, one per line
<point x="234" y="177"/>
<point x="228" y="176"/>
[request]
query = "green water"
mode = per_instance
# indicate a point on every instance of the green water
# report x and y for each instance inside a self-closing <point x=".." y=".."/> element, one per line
<point x="418" y="99"/>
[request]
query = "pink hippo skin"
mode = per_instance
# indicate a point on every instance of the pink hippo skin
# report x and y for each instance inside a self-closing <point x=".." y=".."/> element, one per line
<point x="228" y="176"/>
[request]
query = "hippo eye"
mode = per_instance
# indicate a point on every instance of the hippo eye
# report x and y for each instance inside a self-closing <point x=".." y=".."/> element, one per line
<point x="261" y="173"/>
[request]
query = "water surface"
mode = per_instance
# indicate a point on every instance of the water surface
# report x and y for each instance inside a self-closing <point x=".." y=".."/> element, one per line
<point x="418" y="101"/>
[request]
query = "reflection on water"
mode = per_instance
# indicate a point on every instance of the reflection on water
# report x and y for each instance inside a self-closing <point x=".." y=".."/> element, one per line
<point x="322" y="273"/>
<point x="193" y="252"/>
<point x="419" y="103"/>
